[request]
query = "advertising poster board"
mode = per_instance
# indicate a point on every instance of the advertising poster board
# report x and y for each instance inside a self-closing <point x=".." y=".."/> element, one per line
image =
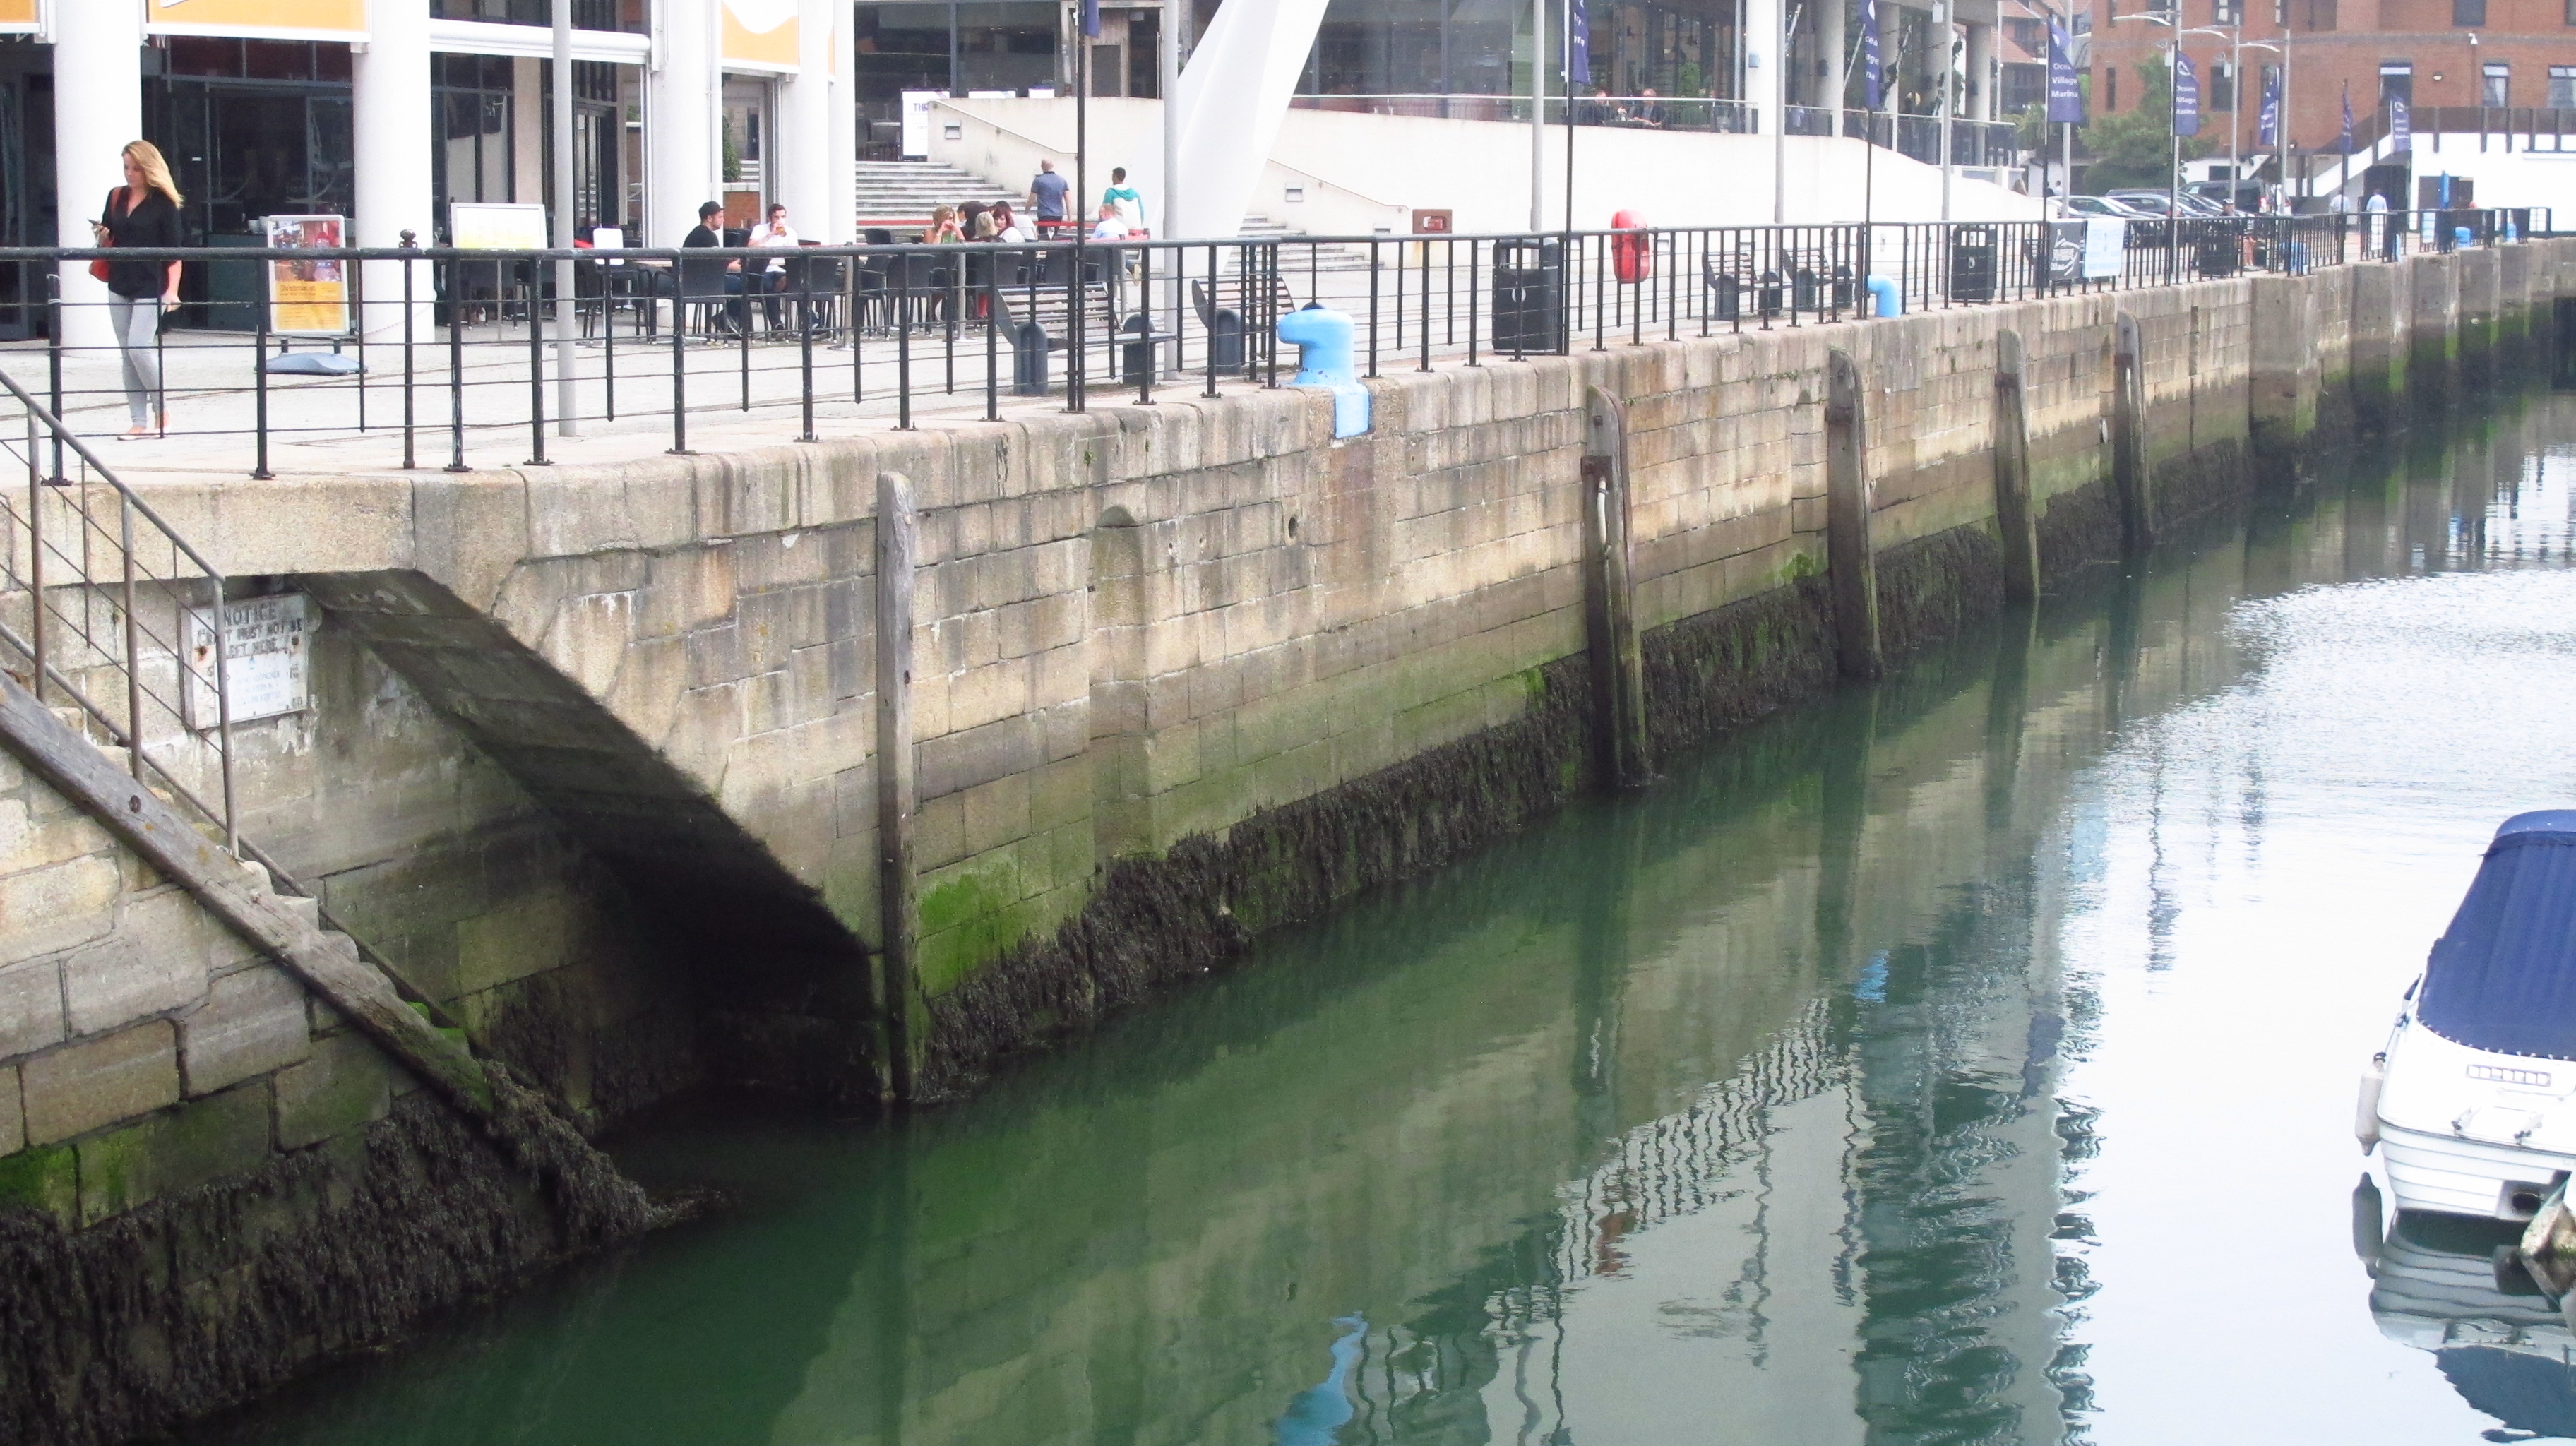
<point x="2106" y="247"/>
<point x="496" y="226"/>
<point x="916" y="122"/>
<point x="308" y="298"/>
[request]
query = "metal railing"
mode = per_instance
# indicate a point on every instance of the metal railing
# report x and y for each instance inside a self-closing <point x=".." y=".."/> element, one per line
<point x="462" y="366"/>
<point x="1634" y="112"/>
<point x="115" y="615"/>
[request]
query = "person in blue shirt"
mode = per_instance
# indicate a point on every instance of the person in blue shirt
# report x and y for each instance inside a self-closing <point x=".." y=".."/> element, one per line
<point x="1047" y="193"/>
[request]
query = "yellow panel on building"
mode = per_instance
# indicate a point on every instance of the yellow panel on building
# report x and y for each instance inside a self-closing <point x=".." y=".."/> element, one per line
<point x="277" y="19"/>
<point x="760" y="34"/>
<point x="18" y="16"/>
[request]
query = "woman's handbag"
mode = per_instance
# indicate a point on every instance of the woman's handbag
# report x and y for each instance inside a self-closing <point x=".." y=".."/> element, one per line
<point x="98" y="268"/>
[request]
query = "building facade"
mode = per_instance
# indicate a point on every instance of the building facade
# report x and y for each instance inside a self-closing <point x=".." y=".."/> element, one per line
<point x="2467" y="67"/>
<point x="391" y="112"/>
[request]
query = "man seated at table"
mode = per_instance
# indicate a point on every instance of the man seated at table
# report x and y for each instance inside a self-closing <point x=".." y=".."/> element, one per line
<point x="711" y="278"/>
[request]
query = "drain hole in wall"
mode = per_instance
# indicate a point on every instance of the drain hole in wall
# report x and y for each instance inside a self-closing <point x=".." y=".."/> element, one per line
<point x="1292" y="529"/>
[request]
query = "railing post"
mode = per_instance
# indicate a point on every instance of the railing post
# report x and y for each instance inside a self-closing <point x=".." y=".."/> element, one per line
<point x="455" y="373"/>
<point x="35" y="561"/>
<point x="536" y="367"/>
<point x="134" y="638"/>
<point x="679" y="365"/>
<point x="54" y="356"/>
<point x="259" y="382"/>
<point x="805" y="344"/>
<point x="1145" y="311"/>
<point x="1373" y="268"/>
<point x="411" y="456"/>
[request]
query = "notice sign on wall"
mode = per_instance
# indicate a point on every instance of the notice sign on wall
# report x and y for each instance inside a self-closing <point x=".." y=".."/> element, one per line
<point x="308" y="298"/>
<point x="267" y="664"/>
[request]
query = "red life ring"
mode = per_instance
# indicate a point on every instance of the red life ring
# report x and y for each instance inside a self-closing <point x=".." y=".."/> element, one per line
<point x="1632" y="251"/>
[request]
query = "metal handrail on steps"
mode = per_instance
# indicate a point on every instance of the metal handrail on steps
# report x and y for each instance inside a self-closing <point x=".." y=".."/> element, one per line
<point x="24" y="570"/>
<point x="103" y="562"/>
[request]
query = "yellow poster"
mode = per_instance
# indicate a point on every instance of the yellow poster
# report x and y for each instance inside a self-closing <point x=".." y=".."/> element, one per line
<point x="281" y="19"/>
<point x="309" y="298"/>
<point x="760" y="33"/>
<point x="17" y="16"/>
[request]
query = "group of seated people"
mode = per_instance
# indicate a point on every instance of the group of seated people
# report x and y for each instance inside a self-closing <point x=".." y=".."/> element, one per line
<point x="771" y="282"/>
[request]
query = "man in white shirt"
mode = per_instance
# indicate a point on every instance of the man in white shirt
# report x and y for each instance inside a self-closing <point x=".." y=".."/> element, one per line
<point x="774" y="232"/>
<point x="1112" y="226"/>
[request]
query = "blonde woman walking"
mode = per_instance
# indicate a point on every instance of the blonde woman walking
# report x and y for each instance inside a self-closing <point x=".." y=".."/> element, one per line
<point x="142" y="212"/>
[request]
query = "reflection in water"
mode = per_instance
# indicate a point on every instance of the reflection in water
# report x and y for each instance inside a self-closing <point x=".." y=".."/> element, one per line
<point x="2506" y="1352"/>
<point x="1320" y="1411"/>
<point x="1835" y="1090"/>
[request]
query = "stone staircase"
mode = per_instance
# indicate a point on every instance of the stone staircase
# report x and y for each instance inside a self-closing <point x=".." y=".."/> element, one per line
<point x="896" y="195"/>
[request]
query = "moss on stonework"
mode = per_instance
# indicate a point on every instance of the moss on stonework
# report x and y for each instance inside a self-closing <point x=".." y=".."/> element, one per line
<point x="43" y="1178"/>
<point x="1151" y="923"/>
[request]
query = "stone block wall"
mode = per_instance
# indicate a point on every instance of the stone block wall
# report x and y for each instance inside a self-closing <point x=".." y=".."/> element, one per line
<point x="145" y="1049"/>
<point x="1140" y="631"/>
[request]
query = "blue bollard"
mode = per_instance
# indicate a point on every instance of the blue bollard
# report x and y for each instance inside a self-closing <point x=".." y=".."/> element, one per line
<point x="1322" y="337"/>
<point x="1885" y="299"/>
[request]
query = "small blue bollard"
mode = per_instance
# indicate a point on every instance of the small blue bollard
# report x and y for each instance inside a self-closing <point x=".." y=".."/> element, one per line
<point x="1885" y="299"/>
<point x="1322" y="337"/>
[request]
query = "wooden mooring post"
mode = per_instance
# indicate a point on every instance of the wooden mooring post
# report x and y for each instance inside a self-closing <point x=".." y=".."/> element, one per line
<point x="2130" y="480"/>
<point x="897" y="904"/>
<point x="1850" y="564"/>
<point x="2015" y="528"/>
<point x="1609" y="596"/>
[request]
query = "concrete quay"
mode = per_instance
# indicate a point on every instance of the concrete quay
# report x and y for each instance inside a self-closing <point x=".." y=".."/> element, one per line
<point x="592" y="753"/>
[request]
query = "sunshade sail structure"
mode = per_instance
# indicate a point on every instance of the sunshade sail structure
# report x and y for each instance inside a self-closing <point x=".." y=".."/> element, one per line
<point x="2503" y="977"/>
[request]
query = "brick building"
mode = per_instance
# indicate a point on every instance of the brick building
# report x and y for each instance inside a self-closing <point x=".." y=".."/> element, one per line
<point x="2468" y="69"/>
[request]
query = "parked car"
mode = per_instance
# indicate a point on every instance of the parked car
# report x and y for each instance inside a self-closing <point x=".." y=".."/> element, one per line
<point x="2079" y="208"/>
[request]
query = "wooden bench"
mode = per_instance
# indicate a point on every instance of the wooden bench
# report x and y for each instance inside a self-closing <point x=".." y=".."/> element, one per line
<point x="1032" y="301"/>
<point x="1232" y="307"/>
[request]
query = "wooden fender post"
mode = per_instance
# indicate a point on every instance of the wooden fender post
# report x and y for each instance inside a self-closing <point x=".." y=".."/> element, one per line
<point x="2014" y="527"/>
<point x="1609" y="595"/>
<point x="1849" y="561"/>
<point x="896" y="902"/>
<point x="2129" y="438"/>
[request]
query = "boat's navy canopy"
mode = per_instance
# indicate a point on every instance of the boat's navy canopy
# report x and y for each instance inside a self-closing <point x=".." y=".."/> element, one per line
<point x="2503" y="977"/>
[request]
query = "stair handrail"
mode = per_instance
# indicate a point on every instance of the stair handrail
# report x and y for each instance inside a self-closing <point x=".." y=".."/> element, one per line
<point x="36" y="650"/>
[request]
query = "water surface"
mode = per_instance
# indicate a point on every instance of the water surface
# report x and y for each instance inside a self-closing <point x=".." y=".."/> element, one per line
<point x="1965" y="1059"/>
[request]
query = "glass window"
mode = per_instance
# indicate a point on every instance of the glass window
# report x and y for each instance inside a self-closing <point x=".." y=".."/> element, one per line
<point x="2321" y="14"/>
<point x="2396" y="82"/>
<point x="2222" y="86"/>
<point x="2562" y="87"/>
<point x="2468" y="12"/>
<point x="626" y="15"/>
<point x="2497" y="86"/>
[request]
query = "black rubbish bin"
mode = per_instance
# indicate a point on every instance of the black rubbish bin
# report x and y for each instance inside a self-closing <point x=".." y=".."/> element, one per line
<point x="1972" y="263"/>
<point x="2217" y="249"/>
<point x="1137" y="352"/>
<point x="1529" y="296"/>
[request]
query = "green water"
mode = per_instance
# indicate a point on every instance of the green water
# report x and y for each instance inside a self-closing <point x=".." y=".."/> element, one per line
<point x="1967" y="1059"/>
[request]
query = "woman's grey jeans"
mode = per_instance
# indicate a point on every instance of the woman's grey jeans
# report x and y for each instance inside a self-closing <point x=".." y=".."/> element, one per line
<point x="138" y="335"/>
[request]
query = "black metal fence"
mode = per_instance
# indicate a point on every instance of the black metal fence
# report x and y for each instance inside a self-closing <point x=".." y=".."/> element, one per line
<point x="464" y="358"/>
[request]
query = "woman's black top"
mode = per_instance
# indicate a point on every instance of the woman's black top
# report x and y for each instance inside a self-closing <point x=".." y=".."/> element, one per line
<point x="152" y="222"/>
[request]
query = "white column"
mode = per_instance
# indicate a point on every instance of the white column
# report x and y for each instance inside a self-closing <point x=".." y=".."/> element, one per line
<point x="394" y="135"/>
<point x="808" y="113"/>
<point x="98" y="107"/>
<point x="1833" y="40"/>
<point x="1981" y="71"/>
<point x="683" y="107"/>
<point x="842" y="191"/>
<point x="1763" y="71"/>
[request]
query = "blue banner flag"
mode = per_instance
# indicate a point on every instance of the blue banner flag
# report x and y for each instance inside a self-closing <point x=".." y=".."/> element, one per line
<point x="1091" y="18"/>
<point x="2267" y="123"/>
<point x="2065" y="98"/>
<point x="1578" y="47"/>
<point x="2401" y="128"/>
<point x="2346" y="142"/>
<point x="1871" y="75"/>
<point x="2186" y="97"/>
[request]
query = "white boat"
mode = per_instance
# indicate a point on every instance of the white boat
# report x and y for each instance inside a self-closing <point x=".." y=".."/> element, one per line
<point x="2473" y="1101"/>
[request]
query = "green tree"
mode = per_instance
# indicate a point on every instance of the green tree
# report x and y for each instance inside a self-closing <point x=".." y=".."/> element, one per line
<point x="2130" y="148"/>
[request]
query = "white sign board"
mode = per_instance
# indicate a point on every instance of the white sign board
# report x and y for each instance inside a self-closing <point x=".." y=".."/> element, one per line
<point x="496" y="226"/>
<point x="267" y="658"/>
<point x="916" y="121"/>
<point x="2106" y="247"/>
